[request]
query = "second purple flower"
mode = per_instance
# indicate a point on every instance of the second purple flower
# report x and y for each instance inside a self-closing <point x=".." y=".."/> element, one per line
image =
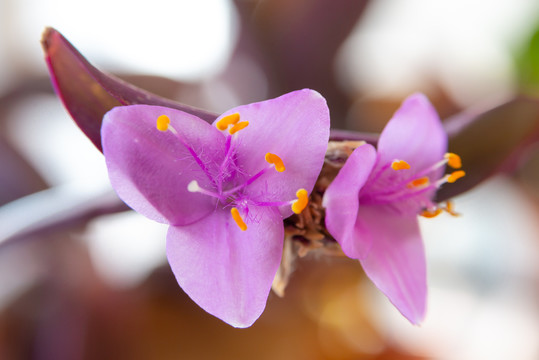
<point x="373" y="203"/>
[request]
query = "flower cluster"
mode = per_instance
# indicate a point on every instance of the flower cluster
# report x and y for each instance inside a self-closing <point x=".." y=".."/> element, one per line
<point x="225" y="189"/>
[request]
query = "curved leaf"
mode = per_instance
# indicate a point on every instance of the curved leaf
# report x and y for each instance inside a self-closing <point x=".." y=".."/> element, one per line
<point x="491" y="141"/>
<point x="88" y="93"/>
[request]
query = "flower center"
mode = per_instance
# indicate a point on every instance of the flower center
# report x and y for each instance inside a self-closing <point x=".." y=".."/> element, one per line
<point x="228" y="173"/>
<point x="397" y="185"/>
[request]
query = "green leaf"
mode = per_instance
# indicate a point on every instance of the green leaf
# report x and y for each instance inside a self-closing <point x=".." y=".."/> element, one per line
<point x="527" y="65"/>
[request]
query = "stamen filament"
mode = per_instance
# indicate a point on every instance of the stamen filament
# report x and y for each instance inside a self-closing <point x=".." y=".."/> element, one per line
<point x="163" y="124"/>
<point x="271" y="203"/>
<point x="248" y="182"/>
<point x="237" y="218"/>
<point x="194" y="187"/>
<point x="275" y="160"/>
<point x="451" y="159"/>
<point x="225" y="164"/>
<point x="301" y="202"/>
<point x="379" y="172"/>
<point x="388" y="198"/>
<point x="432" y="168"/>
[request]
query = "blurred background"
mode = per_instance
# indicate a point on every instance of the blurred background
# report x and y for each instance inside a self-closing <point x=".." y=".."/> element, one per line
<point x="97" y="285"/>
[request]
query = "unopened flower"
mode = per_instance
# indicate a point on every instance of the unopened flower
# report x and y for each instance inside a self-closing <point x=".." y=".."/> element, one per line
<point x="373" y="203"/>
<point x="224" y="189"/>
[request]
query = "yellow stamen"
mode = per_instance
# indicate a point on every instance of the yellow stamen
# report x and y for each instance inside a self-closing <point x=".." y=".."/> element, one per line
<point x="237" y="127"/>
<point x="275" y="160"/>
<point x="431" y="213"/>
<point x="423" y="181"/>
<point x="450" y="208"/>
<point x="302" y="201"/>
<point x="453" y="160"/>
<point x="237" y="218"/>
<point x="227" y="120"/>
<point x="455" y="175"/>
<point x="400" y="165"/>
<point x="162" y="123"/>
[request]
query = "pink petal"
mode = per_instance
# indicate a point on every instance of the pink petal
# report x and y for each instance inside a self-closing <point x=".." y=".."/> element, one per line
<point x="295" y="127"/>
<point x="414" y="134"/>
<point x="150" y="169"/>
<point x="341" y="201"/>
<point x="226" y="271"/>
<point x="396" y="262"/>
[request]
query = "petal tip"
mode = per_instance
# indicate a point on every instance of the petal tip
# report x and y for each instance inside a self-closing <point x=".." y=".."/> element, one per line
<point x="313" y="93"/>
<point x="418" y="99"/>
<point x="417" y="319"/>
<point x="413" y="311"/>
<point x="309" y="93"/>
<point x="240" y="324"/>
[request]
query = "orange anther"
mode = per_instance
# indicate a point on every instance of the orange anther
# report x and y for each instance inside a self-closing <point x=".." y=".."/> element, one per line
<point x="455" y="175"/>
<point x="422" y="181"/>
<point x="227" y="120"/>
<point x="237" y="127"/>
<point x="237" y="218"/>
<point x="302" y="201"/>
<point x="400" y="165"/>
<point x="275" y="160"/>
<point x="450" y="208"/>
<point x="453" y="160"/>
<point x="162" y="123"/>
<point x="431" y="213"/>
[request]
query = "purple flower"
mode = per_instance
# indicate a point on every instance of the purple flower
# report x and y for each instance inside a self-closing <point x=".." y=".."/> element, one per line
<point x="373" y="203"/>
<point x="224" y="189"/>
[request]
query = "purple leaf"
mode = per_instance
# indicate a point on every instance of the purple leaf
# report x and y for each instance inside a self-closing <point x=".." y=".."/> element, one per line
<point x="296" y="44"/>
<point x="88" y="93"/>
<point x="491" y="141"/>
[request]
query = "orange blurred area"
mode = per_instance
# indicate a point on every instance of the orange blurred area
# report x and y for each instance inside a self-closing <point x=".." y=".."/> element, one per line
<point x="71" y="314"/>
